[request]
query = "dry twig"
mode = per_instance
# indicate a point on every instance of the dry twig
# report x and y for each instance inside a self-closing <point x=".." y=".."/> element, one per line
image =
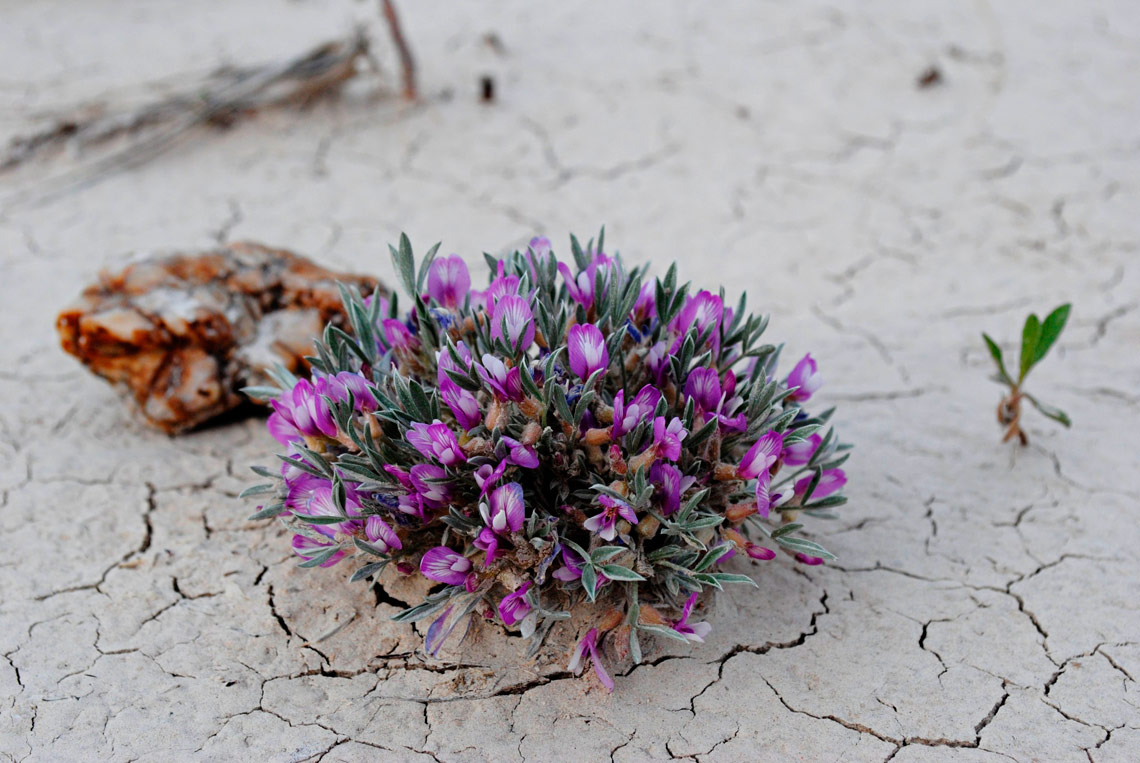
<point x="226" y="96"/>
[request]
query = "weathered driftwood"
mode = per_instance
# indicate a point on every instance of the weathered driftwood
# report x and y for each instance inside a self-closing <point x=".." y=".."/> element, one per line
<point x="183" y="333"/>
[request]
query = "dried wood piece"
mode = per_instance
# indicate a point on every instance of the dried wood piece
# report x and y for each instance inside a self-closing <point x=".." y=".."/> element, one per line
<point x="183" y="333"/>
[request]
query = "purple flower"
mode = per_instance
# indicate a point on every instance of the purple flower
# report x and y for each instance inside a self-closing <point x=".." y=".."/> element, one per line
<point x="806" y="377"/>
<point x="831" y="481"/>
<point x="445" y="362"/>
<point x="427" y="481"/>
<point x="401" y="475"/>
<point x="381" y="535"/>
<point x="735" y="423"/>
<point x="486" y="476"/>
<point x="802" y="558"/>
<point x="462" y="404"/>
<point x="705" y="311"/>
<point x="436" y="634"/>
<point x="449" y="281"/>
<point x="646" y="303"/>
<point x="667" y="439"/>
<point x="540" y="247"/>
<point x="589" y="643"/>
<point x="605" y="523"/>
<point x="346" y="382"/>
<point x="514" y="606"/>
<point x="321" y="505"/>
<point x="760" y="457"/>
<point x="764" y="499"/>
<point x="581" y="289"/>
<point x="308" y="548"/>
<point x="489" y="542"/>
<point x="587" y="349"/>
<point x="657" y="361"/>
<point x="505" y="383"/>
<point x="385" y="304"/>
<point x="759" y="552"/>
<point x="691" y="631"/>
<point x="571" y="568"/>
<point x="412" y="504"/>
<point x="398" y="336"/>
<point x="305" y="411"/>
<point x="300" y="486"/>
<point x="627" y="417"/>
<point x="281" y="427"/>
<point x="500" y="287"/>
<point x="519" y="454"/>
<point x="669" y="485"/>
<point x="729" y="416"/>
<point x="703" y="386"/>
<point x="512" y="321"/>
<point x="445" y="566"/>
<point x="800" y="453"/>
<point x="436" y="441"/>
<point x="507" y="511"/>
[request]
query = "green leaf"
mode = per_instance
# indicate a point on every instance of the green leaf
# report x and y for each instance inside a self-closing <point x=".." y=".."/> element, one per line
<point x="269" y="511"/>
<point x="783" y="530"/>
<point x="590" y="581"/>
<point x="1051" y="329"/>
<point x="663" y="631"/>
<point x="603" y="554"/>
<point x="561" y="405"/>
<point x="708" y="579"/>
<point x="367" y="571"/>
<point x="995" y="353"/>
<point x="731" y="577"/>
<point x="823" y="503"/>
<point x="405" y="263"/>
<point x="714" y="555"/>
<point x="319" y="520"/>
<point x="261" y="394"/>
<point x="803" y="545"/>
<point x="1029" y="338"/>
<point x="703" y="523"/>
<point x="368" y="548"/>
<point x="617" y="572"/>
<point x="320" y="558"/>
<point x="257" y="490"/>
<point x="425" y="266"/>
<point x="420" y="611"/>
<point x="1054" y="413"/>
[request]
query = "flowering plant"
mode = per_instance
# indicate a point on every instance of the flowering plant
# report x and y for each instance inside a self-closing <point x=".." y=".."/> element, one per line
<point x="573" y="432"/>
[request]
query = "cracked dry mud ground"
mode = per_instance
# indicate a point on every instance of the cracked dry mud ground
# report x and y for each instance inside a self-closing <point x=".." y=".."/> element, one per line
<point x="984" y="605"/>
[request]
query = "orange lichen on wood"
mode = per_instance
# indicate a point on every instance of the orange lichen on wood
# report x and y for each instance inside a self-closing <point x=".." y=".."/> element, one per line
<point x="183" y="333"/>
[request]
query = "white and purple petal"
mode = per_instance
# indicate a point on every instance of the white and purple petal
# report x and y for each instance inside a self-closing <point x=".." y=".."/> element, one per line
<point x="805" y="377"/>
<point x="513" y="322"/>
<point x="381" y="534"/>
<point x="445" y="566"/>
<point x="514" y="606"/>
<point x="449" y="281"/>
<point x="587" y="350"/>
<point x="508" y="510"/>
<point x="761" y="455"/>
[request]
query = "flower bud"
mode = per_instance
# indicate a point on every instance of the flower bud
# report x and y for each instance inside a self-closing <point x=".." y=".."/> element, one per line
<point x="610" y="620"/>
<point x="738" y="512"/>
<point x="597" y="436"/>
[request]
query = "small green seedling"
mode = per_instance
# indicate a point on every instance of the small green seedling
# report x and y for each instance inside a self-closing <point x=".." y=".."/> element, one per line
<point x="1036" y="339"/>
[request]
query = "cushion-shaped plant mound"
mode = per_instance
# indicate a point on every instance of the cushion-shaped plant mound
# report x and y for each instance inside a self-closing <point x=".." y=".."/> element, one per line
<point x="575" y="431"/>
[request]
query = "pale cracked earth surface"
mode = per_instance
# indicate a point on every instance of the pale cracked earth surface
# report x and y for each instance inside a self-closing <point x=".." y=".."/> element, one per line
<point x="984" y="605"/>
